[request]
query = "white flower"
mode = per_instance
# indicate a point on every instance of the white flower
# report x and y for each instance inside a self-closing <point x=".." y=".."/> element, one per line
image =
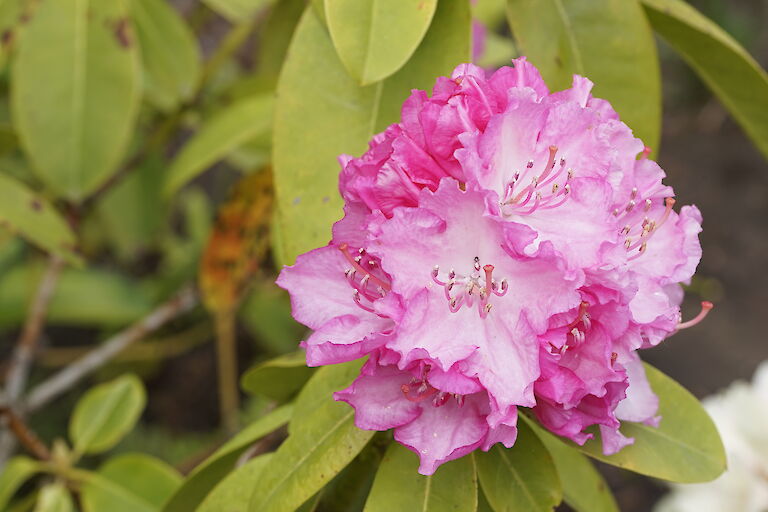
<point x="741" y="415"/>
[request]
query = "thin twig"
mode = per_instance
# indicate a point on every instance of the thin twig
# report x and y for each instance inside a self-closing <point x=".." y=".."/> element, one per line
<point x="24" y="434"/>
<point x="22" y="357"/>
<point x="68" y="377"/>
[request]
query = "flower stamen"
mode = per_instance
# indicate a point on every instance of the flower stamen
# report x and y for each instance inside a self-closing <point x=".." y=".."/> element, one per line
<point x="706" y="307"/>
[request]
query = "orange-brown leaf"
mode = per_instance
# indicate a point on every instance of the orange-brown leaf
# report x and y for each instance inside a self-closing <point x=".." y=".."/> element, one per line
<point x="238" y="242"/>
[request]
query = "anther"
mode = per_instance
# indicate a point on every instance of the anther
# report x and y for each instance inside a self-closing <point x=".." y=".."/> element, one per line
<point x="630" y="205"/>
<point x="529" y="165"/>
<point x="477" y="263"/>
<point x="706" y="307"/>
<point x="648" y="204"/>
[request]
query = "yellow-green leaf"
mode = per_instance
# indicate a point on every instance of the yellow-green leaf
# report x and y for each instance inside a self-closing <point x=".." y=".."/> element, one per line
<point x="320" y="446"/>
<point x="398" y="485"/>
<point x="237" y="11"/>
<point x="229" y="129"/>
<point x="319" y="118"/>
<point x="278" y="378"/>
<point x="584" y="489"/>
<point x="106" y="413"/>
<point x="374" y="38"/>
<point x="169" y="53"/>
<point x="30" y="215"/>
<point x="209" y="473"/>
<point x="608" y="41"/>
<point x="521" y="478"/>
<point x="75" y="91"/>
<point x="233" y="493"/>
<point x="732" y="74"/>
<point x="684" y="448"/>
<point x="16" y="471"/>
<point x="54" y="498"/>
<point x="146" y="479"/>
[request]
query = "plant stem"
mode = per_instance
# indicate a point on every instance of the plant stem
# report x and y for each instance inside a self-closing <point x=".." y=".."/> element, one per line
<point x="226" y="351"/>
<point x="24" y="434"/>
<point x="21" y="361"/>
<point x="68" y="377"/>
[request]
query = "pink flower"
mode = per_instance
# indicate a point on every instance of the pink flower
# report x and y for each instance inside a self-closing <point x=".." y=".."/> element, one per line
<point x="502" y="247"/>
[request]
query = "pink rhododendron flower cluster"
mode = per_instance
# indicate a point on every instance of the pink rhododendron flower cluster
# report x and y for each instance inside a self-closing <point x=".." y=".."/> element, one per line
<point x="502" y="247"/>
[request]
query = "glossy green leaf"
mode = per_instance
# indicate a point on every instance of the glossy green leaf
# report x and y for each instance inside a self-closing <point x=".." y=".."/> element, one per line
<point x="584" y="488"/>
<point x="608" y="41"/>
<point x="732" y="74"/>
<point x="16" y="471"/>
<point x="30" y="215"/>
<point x="106" y="413"/>
<point x="398" y="485"/>
<point x="237" y="11"/>
<point x="349" y="490"/>
<point x="318" y="447"/>
<point x="54" y="498"/>
<point x="234" y="492"/>
<point x="133" y="212"/>
<point x="10" y="12"/>
<point x="320" y="388"/>
<point x="208" y="474"/>
<point x="374" y="38"/>
<point x="91" y="297"/>
<point x="318" y="119"/>
<point x="276" y="35"/>
<point x="230" y="128"/>
<point x="98" y="490"/>
<point x="278" y="378"/>
<point x="75" y="92"/>
<point x="142" y="478"/>
<point x="266" y="314"/>
<point x="169" y="53"/>
<point x="521" y="478"/>
<point x="684" y="448"/>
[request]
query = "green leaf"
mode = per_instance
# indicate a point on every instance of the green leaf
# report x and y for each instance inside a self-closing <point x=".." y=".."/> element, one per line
<point x="17" y="471"/>
<point x="276" y="35"/>
<point x="25" y="212"/>
<point x="266" y="314"/>
<point x="349" y="490"/>
<point x="398" y="486"/>
<point x="237" y="10"/>
<point x="319" y="446"/>
<point x="146" y="479"/>
<point x="230" y="128"/>
<point x="169" y="53"/>
<point x="320" y="388"/>
<point x="10" y="12"/>
<point x="233" y="493"/>
<point x="374" y="38"/>
<point x="205" y="476"/>
<point x="607" y="41"/>
<point x="278" y="378"/>
<point x="132" y="212"/>
<point x="584" y="489"/>
<point x="684" y="448"/>
<point x="106" y="413"/>
<point x="75" y="92"/>
<point x="727" y="69"/>
<point x="318" y="119"/>
<point x="98" y="491"/>
<point x="89" y="297"/>
<point x="54" y="498"/>
<point x="520" y="478"/>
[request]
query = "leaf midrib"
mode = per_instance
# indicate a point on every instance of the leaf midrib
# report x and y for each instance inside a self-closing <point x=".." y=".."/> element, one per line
<point x="578" y="62"/>
<point x="309" y="453"/>
<point x="519" y="480"/>
<point x="79" y="64"/>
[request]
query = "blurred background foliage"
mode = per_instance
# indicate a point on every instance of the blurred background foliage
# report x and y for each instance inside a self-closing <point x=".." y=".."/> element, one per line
<point x="147" y="148"/>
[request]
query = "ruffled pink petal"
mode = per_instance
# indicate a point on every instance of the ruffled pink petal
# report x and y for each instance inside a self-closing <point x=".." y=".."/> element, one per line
<point x="444" y="433"/>
<point x="318" y="288"/>
<point x="378" y="400"/>
<point x="346" y="338"/>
